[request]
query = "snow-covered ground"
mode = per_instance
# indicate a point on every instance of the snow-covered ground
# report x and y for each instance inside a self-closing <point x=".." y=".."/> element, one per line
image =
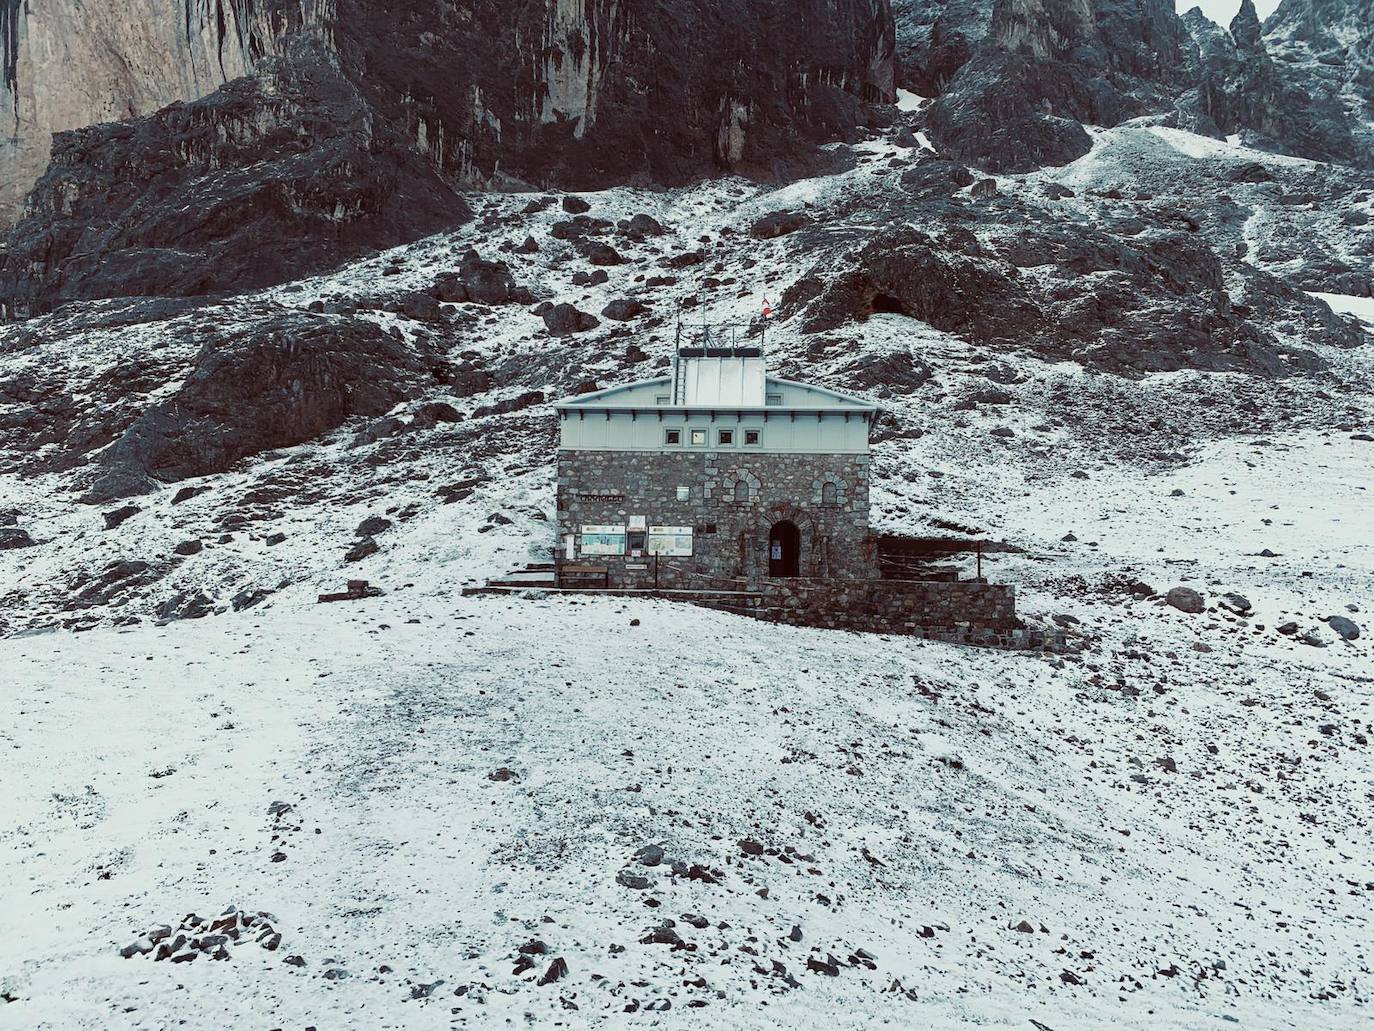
<point x="416" y="785"/>
<point x="1361" y="307"/>
<point x="1181" y="815"/>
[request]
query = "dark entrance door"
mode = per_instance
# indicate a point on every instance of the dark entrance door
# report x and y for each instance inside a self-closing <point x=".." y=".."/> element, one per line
<point x="784" y="550"/>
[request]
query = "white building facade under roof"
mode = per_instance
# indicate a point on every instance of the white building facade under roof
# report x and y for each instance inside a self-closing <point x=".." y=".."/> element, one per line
<point x="717" y="471"/>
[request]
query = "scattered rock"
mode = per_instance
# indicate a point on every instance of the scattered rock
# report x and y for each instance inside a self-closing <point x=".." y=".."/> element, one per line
<point x="1237" y="603"/>
<point x="1185" y="599"/>
<point x="564" y="320"/>
<point x="120" y="515"/>
<point x="779" y="223"/>
<point x="365" y="547"/>
<point x="558" y="969"/>
<point x="650" y="855"/>
<point x="622" y="310"/>
<point x="372" y="525"/>
<point x="644" y="225"/>
<point x="191" y="547"/>
<point x="604" y="254"/>
<point x="12" y="537"/>
<point x="1347" y="628"/>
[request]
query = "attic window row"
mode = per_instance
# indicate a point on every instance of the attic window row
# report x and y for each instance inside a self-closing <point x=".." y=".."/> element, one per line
<point x="700" y="437"/>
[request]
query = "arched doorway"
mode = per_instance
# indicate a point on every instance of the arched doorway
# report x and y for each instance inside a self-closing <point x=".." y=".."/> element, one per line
<point x="784" y="549"/>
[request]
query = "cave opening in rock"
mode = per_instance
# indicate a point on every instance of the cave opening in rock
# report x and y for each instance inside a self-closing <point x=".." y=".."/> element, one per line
<point x="885" y="304"/>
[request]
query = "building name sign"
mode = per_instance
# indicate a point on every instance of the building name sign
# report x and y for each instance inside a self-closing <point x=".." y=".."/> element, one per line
<point x="599" y="495"/>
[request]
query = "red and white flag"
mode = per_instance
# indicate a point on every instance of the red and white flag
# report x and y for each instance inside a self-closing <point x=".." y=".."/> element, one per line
<point x="767" y="308"/>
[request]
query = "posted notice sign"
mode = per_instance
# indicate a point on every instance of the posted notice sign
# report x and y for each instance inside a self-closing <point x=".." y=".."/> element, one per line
<point x="674" y="541"/>
<point x="603" y="540"/>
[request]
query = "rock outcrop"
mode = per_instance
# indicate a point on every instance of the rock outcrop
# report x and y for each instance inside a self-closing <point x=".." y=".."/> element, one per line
<point x="265" y="179"/>
<point x="1158" y="302"/>
<point x="935" y="38"/>
<point x="1300" y="84"/>
<point x="282" y="382"/>
<point x="1016" y="97"/>
<point x="66" y="64"/>
<point x="1046" y="67"/>
<point x="371" y="118"/>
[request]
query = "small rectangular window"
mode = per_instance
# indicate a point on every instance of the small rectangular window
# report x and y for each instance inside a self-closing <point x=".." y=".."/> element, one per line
<point x="725" y="438"/>
<point x="661" y="399"/>
<point x="752" y="438"/>
<point x="672" y="437"/>
<point x="636" y="541"/>
<point x="698" y="438"/>
<point x="774" y="399"/>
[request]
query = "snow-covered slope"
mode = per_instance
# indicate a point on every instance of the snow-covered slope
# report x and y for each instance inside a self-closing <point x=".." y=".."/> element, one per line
<point x="1180" y="816"/>
<point x="1180" y="813"/>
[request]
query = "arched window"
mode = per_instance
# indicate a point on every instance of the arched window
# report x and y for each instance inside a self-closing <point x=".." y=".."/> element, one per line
<point x="742" y="492"/>
<point x="829" y="494"/>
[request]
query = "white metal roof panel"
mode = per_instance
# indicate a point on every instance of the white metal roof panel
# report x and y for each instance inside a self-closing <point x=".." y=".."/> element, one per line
<point x="723" y="381"/>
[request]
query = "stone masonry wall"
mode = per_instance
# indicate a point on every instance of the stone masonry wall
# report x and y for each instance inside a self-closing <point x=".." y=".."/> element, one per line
<point x="731" y="536"/>
<point x="895" y="606"/>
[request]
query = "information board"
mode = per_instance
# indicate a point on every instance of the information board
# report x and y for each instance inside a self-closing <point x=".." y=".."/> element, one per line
<point x="674" y="541"/>
<point x="603" y="540"/>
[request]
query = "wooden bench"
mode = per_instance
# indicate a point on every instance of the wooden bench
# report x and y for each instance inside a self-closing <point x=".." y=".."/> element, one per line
<point x="584" y="576"/>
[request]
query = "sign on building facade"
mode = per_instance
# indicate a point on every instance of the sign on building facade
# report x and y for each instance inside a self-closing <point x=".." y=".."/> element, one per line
<point x="603" y="540"/>
<point x="673" y="541"/>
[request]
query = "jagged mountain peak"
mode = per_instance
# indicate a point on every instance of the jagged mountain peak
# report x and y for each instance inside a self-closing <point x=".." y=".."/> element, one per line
<point x="1245" y="26"/>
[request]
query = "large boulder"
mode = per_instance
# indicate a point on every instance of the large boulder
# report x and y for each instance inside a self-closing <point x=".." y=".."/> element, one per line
<point x="565" y="320"/>
<point x="481" y="282"/>
<point x="1186" y="599"/>
<point x="12" y="537"/>
<point x="274" y="385"/>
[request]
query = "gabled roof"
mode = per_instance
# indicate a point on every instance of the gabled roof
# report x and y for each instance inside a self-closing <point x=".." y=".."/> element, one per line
<point x="641" y="394"/>
<point x="600" y="398"/>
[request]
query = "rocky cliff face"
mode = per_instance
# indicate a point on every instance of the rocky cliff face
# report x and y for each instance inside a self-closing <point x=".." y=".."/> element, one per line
<point x="547" y="90"/>
<point x="1297" y="86"/>
<point x="68" y="64"/>
<point x="1046" y="67"/>
<point x="1301" y="84"/>
<point x="269" y="176"/>
<point x="413" y="103"/>
<point x="590" y="93"/>
<point x="935" y="38"/>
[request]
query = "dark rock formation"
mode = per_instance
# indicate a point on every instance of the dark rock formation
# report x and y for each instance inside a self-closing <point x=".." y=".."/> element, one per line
<point x="935" y="38"/>
<point x="1154" y="303"/>
<point x="12" y="537"/>
<point x="1293" y="86"/>
<point x="262" y="181"/>
<point x="779" y="223"/>
<point x="565" y="319"/>
<point x="275" y="385"/>
<point x="359" y="135"/>
<point x="623" y="310"/>
<point x="480" y="282"/>
<point x="1047" y="66"/>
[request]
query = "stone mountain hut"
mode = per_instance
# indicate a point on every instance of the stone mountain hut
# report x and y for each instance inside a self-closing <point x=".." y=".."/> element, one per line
<point x="716" y="471"/>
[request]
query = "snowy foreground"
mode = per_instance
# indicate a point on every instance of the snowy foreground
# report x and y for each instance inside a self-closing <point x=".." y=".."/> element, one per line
<point x="1178" y="821"/>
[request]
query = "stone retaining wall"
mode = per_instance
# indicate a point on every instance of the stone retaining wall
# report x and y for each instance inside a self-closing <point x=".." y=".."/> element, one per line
<point x="964" y="612"/>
